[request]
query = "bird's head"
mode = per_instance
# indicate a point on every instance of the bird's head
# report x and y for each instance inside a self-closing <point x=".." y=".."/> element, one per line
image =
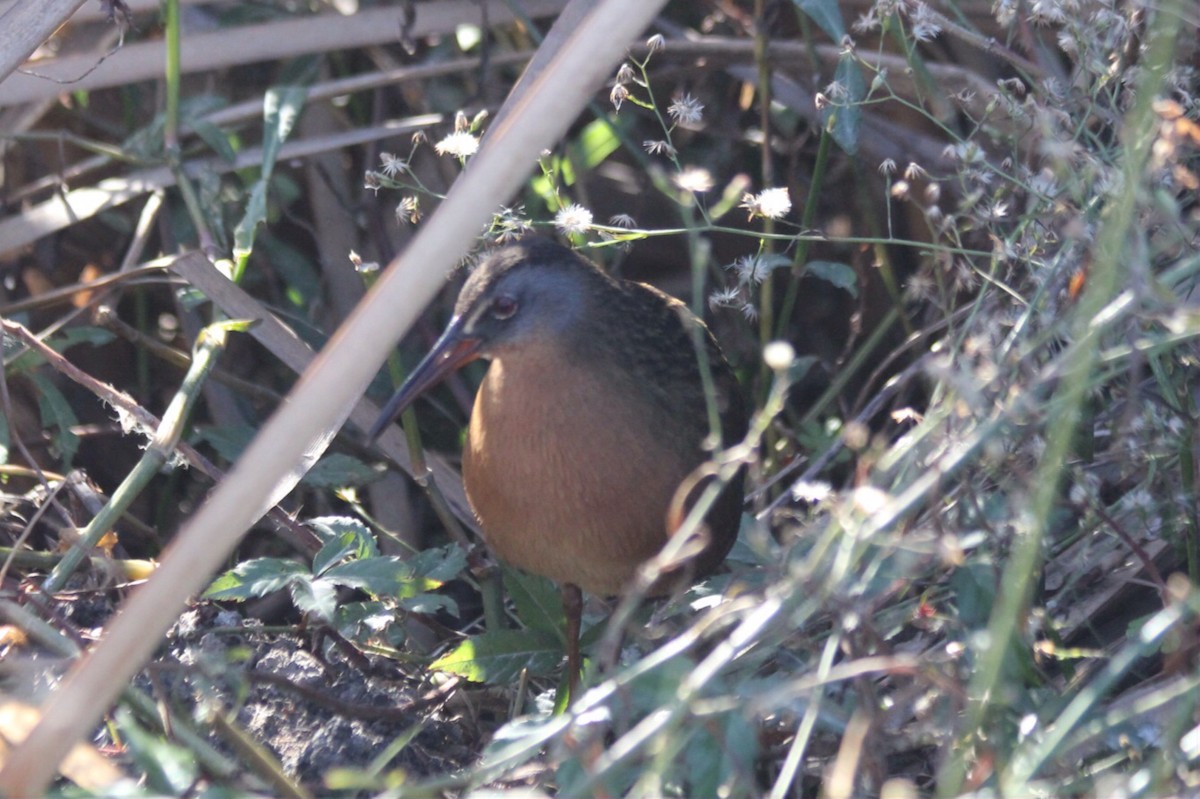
<point x="534" y="291"/>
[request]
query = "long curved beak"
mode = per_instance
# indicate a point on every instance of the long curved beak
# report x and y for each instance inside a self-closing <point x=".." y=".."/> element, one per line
<point x="452" y="350"/>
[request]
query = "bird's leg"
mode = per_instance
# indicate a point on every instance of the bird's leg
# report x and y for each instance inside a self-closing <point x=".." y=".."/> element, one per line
<point x="572" y="599"/>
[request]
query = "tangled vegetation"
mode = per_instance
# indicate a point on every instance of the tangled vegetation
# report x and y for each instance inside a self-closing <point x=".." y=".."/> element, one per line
<point x="950" y="248"/>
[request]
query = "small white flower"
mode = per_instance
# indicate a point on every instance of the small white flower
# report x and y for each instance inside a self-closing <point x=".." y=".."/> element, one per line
<point x="622" y="221"/>
<point x="774" y="203"/>
<point x="907" y="416"/>
<point x="754" y="269"/>
<point x="725" y="298"/>
<point x="926" y="25"/>
<point x="887" y="167"/>
<point x="1139" y="501"/>
<point x="361" y="266"/>
<point x="866" y="22"/>
<point x="459" y="144"/>
<point x="618" y="95"/>
<point x="1029" y="723"/>
<point x="769" y="203"/>
<point x="625" y="74"/>
<point x="1067" y="42"/>
<point x="510" y="224"/>
<point x="694" y="179"/>
<point x="686" y="110"/>
<point x="779" y="355"/>
<point x="965" y="152"/>
<point x="813" y="492"/>
<point x="658" y="147"/>
<point x="1014" y="86"/>
<point x="980" y="176"/>
<point x="409" y="210"/>
<point x="870" y="500"/>
<point x="1005" y="11"/>
<point x="837" y="92"/>
<point x="573" y="218"/>
<point x="747" y="269"/>
<point x="392" y="165"/>
<point x="1047" y="13"/>
<point x="656" y="43"/>
<point x="920" y="287"/>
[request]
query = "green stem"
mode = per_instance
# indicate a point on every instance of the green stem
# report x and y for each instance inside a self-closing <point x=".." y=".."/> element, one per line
<point x="209" y="346"/>
<point x="806" y="223"/>
<point x="1107" y="274"/>
<point x="766" y="298"/>
<point x="172" y="76"/>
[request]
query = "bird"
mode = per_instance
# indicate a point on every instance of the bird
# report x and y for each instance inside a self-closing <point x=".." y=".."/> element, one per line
<point x="591" y="430"/>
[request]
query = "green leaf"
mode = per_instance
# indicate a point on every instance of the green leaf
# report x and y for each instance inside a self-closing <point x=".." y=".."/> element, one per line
<point x="845" y="113"/>
<point x="332" y="528"/>
<point x="826" y="14"/>
<point x="281" y="109"/>
<point x="60" y="343"/>
<point x="315" y="597"/>
<point x="656" y="687"/>
<point x="214" y="137"/>
<point x="354" y="619"/>
<point x="228" y="440"/>
<point x="719" y="751"/>
<point x="336" y="550"/>
<point x="222" y="326"/>
<point x="56" y="414"/>
<point x="498" y="657"/>
<point x="838" y="275"/>
<point x="597" y="142"/>
<point x="538" y="602"/>
<point x="382" y="576"/>
<point x="440" y="563"/>
<point x="973" y="586"/>
<point x="520" y="739"/>
<point x="731" y="196"/>
<point x="255" y="578"/>
<point x="340" y="470"/>
<point x="169" y="770"/>
<point x="300" y="274"/>
<point x="430" y="603"/>
<point x="95" y="336"/>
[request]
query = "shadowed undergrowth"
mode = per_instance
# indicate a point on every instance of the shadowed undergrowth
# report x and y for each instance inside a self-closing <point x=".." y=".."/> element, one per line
<point x="950" y="250"/>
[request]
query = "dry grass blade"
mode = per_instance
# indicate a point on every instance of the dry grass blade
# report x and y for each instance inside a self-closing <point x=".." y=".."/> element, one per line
<point x="247" y="44"/>
<point x="24" y="26"/>
<point x="289" y="348"/>
<point x="84" y="203"/>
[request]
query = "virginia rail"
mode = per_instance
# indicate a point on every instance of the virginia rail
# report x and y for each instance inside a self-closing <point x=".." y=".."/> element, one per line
<point x="591" y="417"/>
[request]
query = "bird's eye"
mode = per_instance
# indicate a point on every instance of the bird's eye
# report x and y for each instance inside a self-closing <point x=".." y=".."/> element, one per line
<point x="503" y="307"/>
